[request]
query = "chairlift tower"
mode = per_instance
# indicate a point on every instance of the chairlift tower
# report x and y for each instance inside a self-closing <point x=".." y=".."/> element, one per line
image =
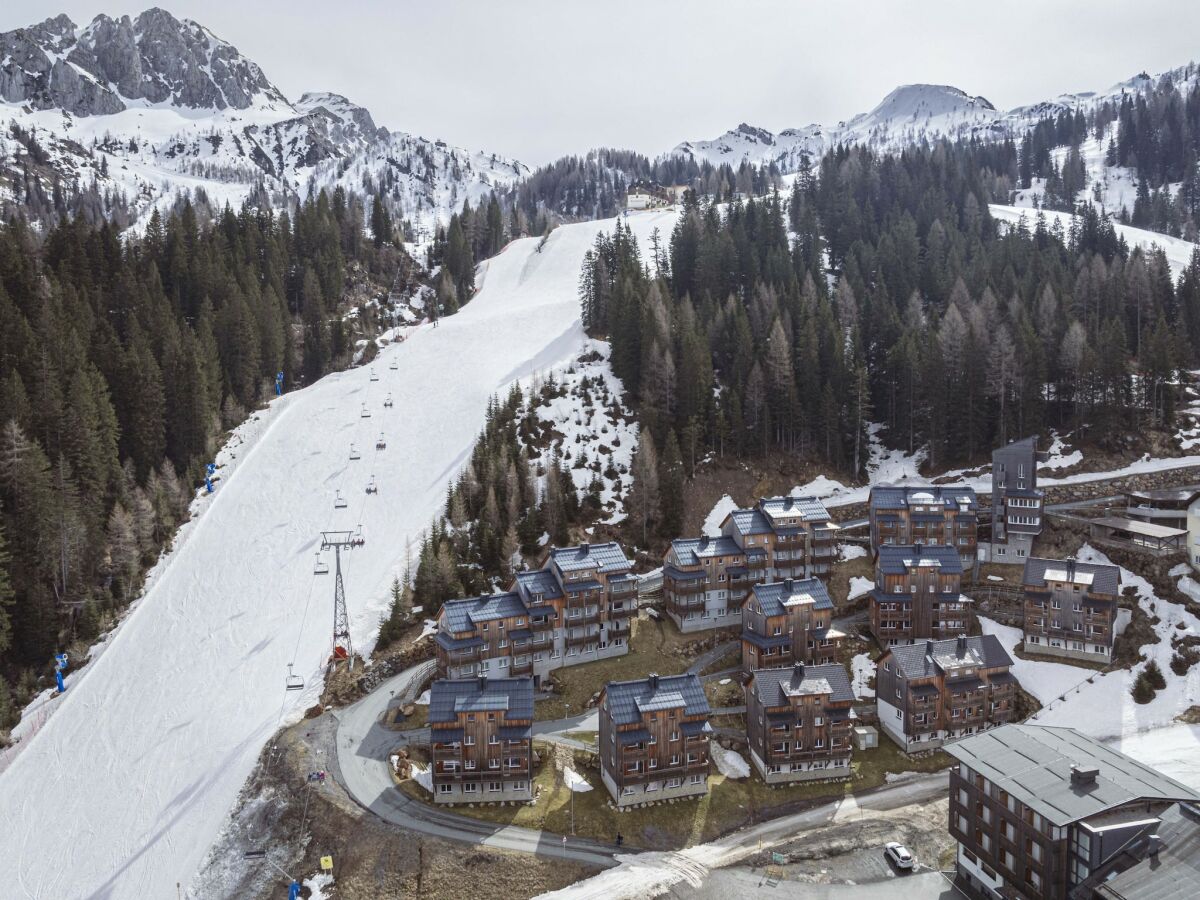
<point x="338" y="540"/>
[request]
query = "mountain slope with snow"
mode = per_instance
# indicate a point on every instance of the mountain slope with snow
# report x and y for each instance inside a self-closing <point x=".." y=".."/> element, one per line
<point x="143" y="111"/>
<point x="132" y="776"/>
<point x="910" y="114"/>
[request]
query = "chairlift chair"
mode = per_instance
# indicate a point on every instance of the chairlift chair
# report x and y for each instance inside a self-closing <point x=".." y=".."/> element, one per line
<point x="321" y="567"/>
<point x="387" y="403"/>
<point x="357" y="539"/>
<point x="372" y="487"/>
<point x="293" y="682"/>
<point x="366" y="413"/>
<point x="374" y="375"/>
<point x="354" y="454"/>
<point x="381" y="444"/>
<point x="339" y="502"/>
<point x="394" y="366"/>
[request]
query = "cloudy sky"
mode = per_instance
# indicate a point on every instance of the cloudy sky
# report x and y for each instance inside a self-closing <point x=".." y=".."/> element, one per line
<point x="536" y="79"/>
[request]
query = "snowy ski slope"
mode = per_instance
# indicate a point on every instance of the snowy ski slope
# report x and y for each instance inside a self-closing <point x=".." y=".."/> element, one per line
<point x="126" y="786"/>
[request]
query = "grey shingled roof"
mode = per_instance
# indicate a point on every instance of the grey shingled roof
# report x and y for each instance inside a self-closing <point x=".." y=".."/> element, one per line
<point x="538" y="581"/>
<point x="774" y="597"/>
<point x="915" y="660"/>
<point x="891" y="496"/>
<point x="808" y="509"/>
<point x="689" y="551"/>
<point x="463" y="615"/>
<point x="449" y="696"/>
<point x="894" y="559"/>
<point x="750" y="521"/>
<point x="608" y="557"/>
<point x="775" y="686"/>
<point x="626" y="699"/>
<point x="1105" y="579"/>
<point x="1033" y="764"/>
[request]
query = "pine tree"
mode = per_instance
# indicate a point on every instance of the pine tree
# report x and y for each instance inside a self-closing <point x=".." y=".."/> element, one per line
<point x="643" y="501"/>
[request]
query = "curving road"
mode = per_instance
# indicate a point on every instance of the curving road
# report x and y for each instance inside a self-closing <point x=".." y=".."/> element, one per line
<point x="363" y="746"/>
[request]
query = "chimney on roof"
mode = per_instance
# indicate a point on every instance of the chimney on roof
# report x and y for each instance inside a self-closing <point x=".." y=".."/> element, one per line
<point x="584" y="547"/>
<point x="961" y="647"/>
<point x="1154" y="843"/>
<point x="787" y="585"/>
<point x="798" y="672"/>
<point x="652" y="680"/>
<point x="929" y="647"/>
<point x="1070" y="568"/>
<point x="917" y="549"/>
<point x="482" y="682"/>
<point x="1083" y="777"/>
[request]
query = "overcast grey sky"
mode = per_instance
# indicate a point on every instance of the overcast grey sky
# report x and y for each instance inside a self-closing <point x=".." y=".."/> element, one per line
<point x="537" y="79"/>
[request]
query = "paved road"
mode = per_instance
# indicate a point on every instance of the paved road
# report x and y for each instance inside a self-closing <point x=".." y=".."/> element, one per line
<point x="708" y="657"/>
<point x="741" y="882"/>
<point x="363" y="746"/>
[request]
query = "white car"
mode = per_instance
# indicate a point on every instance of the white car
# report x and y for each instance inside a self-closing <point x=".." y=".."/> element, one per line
<point x="900" y="856"/>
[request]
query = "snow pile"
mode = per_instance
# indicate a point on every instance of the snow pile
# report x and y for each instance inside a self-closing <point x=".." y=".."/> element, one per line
<point x="575" y="782"/>
<point x="859" y="587"/>
<point x="429" y="628"/>
<point x="591" y="430"/>
<point x="192" y="684"/>
<point x="712" y="523"/>
<point x="847" y="552"/>
<point x="422" y="775"/>
<point x="1057" y="458"/>
<point x="820" y="487"/>
<point x="729" y="763"/>
<point x="423" y="700"/>
<point x="318" y="884"/>
<point x="863" y="668"/>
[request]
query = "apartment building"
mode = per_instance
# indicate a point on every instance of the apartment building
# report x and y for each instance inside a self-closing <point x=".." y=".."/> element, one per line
<point x="1017" y="503"/>
<point x="789" y="622"/>
<point x="930" y="515"/>
<point x="1071" y="608"/>
<point x="1039" y="811"/>
<point x="654" y="739"/>
<point x="799" y="723"/>
<point x="706" y="580"/>
<point x="932" y="693"/>
<point x="481" y="739"/>
<point x="577" y="608"/>
<point x="918" y="595"/>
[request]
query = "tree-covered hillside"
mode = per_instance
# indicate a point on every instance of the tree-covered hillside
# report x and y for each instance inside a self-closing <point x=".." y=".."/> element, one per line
<point x="122" y="363"/>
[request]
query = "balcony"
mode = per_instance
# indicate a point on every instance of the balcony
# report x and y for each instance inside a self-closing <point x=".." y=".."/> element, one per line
<point x="685" y="587"/>
<point x="582" y="640"/>
<point x="623" y="612"/>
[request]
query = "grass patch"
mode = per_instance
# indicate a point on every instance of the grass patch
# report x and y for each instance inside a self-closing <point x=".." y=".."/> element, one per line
<point x="728" y="805"/>
<point x="584" y="737"/>
<point x="653" y="647"/>
<point x="839" y="580"/>
<point x="397" y="721"/>
<point x="722" y="695"/>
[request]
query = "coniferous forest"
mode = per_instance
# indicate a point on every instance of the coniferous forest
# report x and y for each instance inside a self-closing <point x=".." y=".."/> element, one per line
<point x="124" y="361"/>
<point x="881" y="290"/>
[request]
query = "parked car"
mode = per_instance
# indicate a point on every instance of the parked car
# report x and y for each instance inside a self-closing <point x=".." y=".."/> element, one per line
<point x="900" y="856"/>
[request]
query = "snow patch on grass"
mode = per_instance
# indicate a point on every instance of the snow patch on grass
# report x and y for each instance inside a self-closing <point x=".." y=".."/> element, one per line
<point x="729" y="763"/>
<point x="859" y="587"/>
<point x="575" y="782"/>
<point x="847" y="552"/>
<point x="863" y="668"/>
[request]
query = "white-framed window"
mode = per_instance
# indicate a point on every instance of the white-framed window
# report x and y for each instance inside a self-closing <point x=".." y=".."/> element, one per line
<point x="445" y="788"/>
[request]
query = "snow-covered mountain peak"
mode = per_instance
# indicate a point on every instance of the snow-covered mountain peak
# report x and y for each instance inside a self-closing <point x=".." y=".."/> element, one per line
<point x="113" y="64"/>
<point x="342" y="109"/>
<point x="910" y="101"/>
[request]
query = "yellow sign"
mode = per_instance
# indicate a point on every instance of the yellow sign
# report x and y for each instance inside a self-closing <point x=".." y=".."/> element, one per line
<point x="326" y="863"/>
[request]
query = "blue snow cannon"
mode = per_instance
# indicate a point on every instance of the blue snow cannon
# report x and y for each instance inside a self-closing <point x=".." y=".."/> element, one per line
<point x="209" y="471"/>
<point x="61" y="661"/>
<point x="278" y="384"/>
